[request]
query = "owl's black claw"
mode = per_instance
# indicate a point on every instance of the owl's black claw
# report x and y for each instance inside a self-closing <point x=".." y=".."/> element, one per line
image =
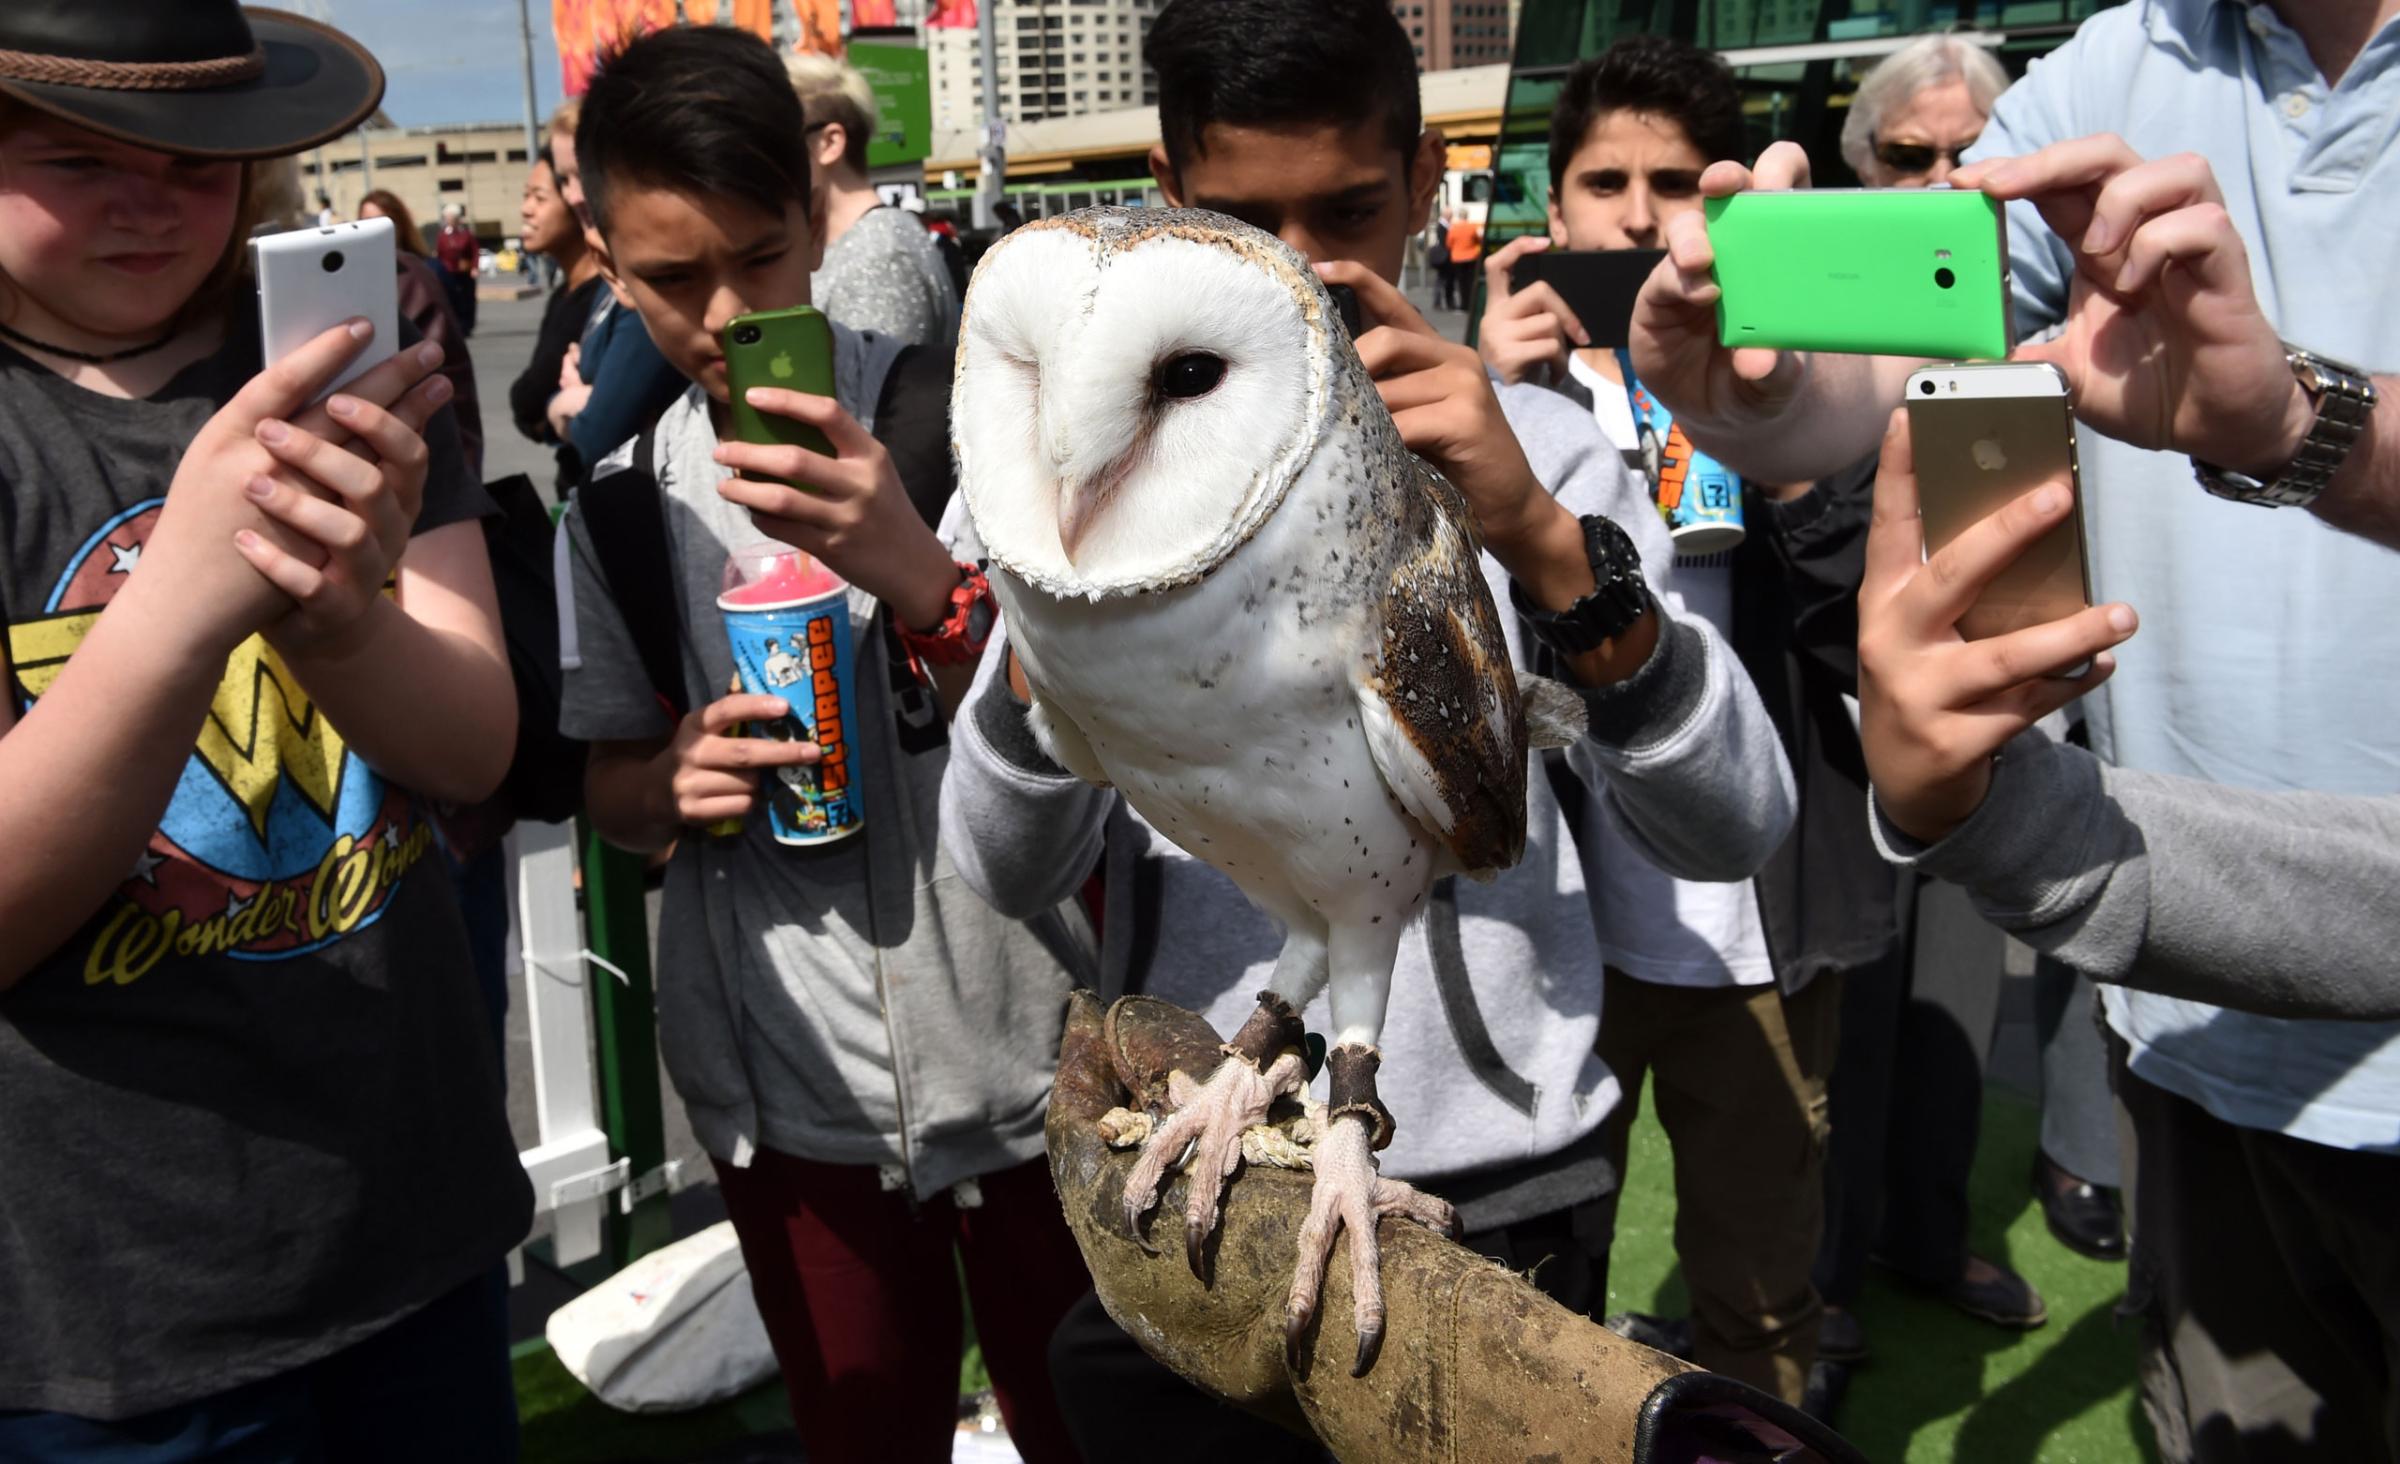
<point x="1195" y="1239"/>
<point x="1370" y="1343"/>
<point x="1133" y="1226"/>
<point x="1295" y="1327"/>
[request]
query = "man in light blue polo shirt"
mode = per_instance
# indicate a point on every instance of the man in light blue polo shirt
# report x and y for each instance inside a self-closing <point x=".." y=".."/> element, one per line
<point x="2267" y="1152"/>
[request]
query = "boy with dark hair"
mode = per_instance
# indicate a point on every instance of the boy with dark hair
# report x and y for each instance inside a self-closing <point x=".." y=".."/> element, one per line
<point x="1334" y="92"/>
<point x="1742" y="1077"/>
<point x="870" y="1107"/>
<point x="1726" y="995"/>
<point x="1633" y="129"/>
<point x="1303" y="121"/>
<point x="1659" y="77"/>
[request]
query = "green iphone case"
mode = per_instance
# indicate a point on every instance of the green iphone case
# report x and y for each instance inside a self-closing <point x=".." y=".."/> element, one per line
<point x="792" y="349"/>
<point x="1881" y="272"/>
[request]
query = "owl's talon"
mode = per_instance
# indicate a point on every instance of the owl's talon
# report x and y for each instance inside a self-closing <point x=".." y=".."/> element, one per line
<point x="1351" y="1196"/>
<point x="1134" y="1210"/>
<point x="1210" y="1124"/>
<point x="1370" y="1343"/>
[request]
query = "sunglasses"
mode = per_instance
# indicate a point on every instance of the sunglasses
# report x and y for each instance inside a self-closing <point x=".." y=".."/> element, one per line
<point x="1910" y="158"/>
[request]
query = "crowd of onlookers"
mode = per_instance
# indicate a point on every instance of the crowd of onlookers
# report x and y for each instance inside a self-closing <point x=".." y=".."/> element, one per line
<point x="260" y="1181"/>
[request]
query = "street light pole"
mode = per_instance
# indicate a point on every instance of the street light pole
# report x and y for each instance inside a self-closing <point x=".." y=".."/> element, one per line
<point x="533" y="147"/>
<point x="994" y="169"/>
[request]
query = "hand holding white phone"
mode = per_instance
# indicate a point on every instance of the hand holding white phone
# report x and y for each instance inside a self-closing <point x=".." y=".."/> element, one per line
<point x="311" y="280"/>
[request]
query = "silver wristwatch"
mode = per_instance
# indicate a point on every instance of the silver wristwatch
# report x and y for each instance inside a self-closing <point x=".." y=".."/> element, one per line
<point x="2344" y="398"/>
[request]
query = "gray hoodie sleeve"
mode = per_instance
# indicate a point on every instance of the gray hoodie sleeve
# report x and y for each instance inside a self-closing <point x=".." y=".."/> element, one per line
<point x="1022" y="831"/>
<point x="1683" y="750"/>
<point x="2276" y="903"/>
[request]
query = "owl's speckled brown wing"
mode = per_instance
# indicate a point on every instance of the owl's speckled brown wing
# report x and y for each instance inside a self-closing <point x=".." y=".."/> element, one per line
<point x="1441" y="710"/>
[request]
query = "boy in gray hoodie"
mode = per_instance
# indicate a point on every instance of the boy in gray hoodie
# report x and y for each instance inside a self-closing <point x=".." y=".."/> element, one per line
<point x="864" y="1046"/>
<point x="1304" y="121"/>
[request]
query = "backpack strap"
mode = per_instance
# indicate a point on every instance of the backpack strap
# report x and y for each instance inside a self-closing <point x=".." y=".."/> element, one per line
<point x="625" y="514"/>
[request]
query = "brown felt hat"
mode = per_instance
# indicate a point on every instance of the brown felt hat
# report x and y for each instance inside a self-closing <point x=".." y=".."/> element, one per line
<point x="196" y="78"/>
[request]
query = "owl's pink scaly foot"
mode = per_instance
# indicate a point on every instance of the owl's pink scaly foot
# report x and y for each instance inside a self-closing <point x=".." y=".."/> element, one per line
<point x="1263" y="1062"/>
<point x="1351" y="1195"/>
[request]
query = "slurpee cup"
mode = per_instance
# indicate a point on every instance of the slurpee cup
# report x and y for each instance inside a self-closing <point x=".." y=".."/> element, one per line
<point x="788" y="618"/>
<point x="1699" y="497"/>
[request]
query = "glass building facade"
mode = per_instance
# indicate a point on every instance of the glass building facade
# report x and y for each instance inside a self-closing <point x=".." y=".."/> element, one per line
<point x="1798" y="61"/>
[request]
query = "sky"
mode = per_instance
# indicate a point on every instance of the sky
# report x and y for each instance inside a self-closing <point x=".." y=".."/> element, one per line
<point x="451" y="60"/>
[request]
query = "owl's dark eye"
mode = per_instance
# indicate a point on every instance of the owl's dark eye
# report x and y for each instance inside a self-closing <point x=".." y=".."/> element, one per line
<point x="1192" y="374"/>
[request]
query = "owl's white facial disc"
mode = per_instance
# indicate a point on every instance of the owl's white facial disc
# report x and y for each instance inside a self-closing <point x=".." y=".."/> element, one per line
<point x="1128" y="413"/>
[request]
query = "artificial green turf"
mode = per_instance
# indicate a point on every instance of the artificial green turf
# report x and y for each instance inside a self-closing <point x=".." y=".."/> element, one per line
<point x="1940" y="1385"/>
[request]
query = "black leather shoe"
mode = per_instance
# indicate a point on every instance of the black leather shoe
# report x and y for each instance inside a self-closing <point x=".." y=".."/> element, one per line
<point x="1828" y="1381"/>
<point x="2087" y="1218"/>
<point x="2006" y="1300"/>
<point x="1840" y="1338"/>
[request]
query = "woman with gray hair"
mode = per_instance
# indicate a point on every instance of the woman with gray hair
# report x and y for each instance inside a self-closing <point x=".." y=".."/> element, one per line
<point x="1918" y="110"/>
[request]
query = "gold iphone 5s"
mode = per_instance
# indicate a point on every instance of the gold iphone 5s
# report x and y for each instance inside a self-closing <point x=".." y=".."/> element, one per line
<point x="1986" y="434"/>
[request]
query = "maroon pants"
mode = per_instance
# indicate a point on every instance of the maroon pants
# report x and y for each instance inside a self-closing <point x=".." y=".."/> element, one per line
<point x="860" y="1298"/>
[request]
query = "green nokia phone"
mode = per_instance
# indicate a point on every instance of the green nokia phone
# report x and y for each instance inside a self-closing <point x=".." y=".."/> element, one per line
<point x="1879" y="272"/>
<point x="792" y="349"/>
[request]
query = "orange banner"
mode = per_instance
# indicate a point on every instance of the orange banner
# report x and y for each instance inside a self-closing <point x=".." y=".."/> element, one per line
<point x="587" y="28"/>
<point x="820" y="26"/>
<point x="754" y="16"/>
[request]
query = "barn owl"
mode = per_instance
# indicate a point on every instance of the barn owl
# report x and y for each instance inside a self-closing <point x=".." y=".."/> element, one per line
<point x="1239" y="600"/>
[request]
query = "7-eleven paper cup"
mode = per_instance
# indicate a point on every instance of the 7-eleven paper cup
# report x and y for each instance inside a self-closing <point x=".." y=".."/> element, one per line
<point x="788" y="618"/>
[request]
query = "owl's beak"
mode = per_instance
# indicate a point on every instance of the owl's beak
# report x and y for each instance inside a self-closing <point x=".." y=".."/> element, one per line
<point x="1082" y="500"/>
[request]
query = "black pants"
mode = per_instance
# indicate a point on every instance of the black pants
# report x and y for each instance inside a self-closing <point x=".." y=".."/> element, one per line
<point x="461" y="290"/>
<point x="1458" y="281"/>
<point x="2265" y="1275"/>
<point x="2079" y="1114"/>
<point x="1906" y="1099"/>
<point x="1122" y="1404"/>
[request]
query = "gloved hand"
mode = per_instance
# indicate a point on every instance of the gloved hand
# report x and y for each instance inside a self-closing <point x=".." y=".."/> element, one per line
<point x="1477" y="1365"/>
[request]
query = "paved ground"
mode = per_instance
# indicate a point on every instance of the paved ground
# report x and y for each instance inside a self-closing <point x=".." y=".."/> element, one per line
<point x="502" y="343"/>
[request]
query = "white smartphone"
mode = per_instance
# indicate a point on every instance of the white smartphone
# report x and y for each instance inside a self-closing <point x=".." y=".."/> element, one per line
<point x="1984" y="435"/>
<point x="311" y="280"/>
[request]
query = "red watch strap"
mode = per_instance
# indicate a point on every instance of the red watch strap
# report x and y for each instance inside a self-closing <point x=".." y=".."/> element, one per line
<point x="953" y="642"/>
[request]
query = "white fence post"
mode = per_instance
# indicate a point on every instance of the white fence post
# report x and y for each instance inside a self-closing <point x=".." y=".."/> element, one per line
<point x="570" y="1165"/>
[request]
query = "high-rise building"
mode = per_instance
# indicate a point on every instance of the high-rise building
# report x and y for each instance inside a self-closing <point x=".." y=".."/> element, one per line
<point x="1057" y="58"/>
<point x="1452" y="33"/>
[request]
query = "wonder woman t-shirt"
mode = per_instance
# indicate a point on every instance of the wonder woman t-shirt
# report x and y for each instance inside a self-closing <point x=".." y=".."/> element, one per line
<point x="250" y="1112"/>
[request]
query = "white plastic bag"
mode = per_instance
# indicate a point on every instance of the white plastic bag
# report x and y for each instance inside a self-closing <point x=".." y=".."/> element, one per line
<point x="677" y="1329"/>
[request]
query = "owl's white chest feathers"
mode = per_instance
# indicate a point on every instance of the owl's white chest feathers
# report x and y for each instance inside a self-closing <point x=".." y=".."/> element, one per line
<point x="1226" y="710"/>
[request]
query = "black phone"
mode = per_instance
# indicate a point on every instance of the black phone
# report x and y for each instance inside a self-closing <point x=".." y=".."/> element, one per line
<point x="1599" y="285"/>
<point x="1345" y="303"/>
